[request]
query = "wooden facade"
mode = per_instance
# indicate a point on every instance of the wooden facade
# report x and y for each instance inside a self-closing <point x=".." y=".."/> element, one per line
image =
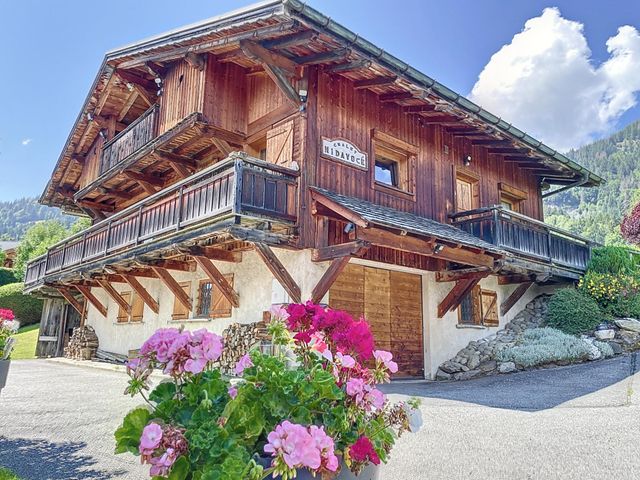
<point x="202" y="144"/>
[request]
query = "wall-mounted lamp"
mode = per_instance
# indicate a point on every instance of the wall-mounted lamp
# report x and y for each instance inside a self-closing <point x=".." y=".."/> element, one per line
<point x="103" y="133"/>
<point x="130" y="86"/>
<point x="466" y="160"/>
<point x="438" y="248"/>
<point x="544" y="186"/>
<point x="89" y="116"/>
<point x="349" y="227"/>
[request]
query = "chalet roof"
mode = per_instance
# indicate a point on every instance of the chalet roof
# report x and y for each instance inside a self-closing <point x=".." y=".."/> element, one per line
<point x="335" y="47"/>
<point x="408" y="222"/>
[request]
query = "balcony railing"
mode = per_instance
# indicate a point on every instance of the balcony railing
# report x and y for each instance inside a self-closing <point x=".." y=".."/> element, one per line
<point x="240" y="186"/>
<point x="131" y="139"/>
<point x="526" y="237"/>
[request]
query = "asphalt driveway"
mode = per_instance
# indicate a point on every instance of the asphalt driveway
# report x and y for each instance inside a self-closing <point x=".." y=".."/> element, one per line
<point x="581" y="422"/>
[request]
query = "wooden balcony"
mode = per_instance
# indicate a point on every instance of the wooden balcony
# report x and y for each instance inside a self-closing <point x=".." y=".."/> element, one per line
<point x="131" y="139"/>
<point x="527" y="238"/>
<point x="240" y="188"/>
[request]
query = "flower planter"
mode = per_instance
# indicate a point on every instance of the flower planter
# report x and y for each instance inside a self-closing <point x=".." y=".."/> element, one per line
<point x="4" y="371"/>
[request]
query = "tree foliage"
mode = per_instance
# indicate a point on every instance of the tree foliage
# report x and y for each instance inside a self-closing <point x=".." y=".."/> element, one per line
<point x="26" y="308"/>
<point x="16" y="216"/>
<point x="596" y="213"/>
<point x="36" y="241"/>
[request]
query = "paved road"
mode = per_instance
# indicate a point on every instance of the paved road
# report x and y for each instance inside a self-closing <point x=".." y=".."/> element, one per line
<point x="581" y="422"/>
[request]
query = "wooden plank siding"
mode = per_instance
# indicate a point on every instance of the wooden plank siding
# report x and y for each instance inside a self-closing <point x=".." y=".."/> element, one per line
<point x="182" y="93"/>
<point x="345" y="112"/>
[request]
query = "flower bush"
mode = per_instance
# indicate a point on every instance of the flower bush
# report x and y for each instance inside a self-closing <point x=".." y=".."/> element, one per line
<point x="8" y="327"/>
<point x="314" y="404"/>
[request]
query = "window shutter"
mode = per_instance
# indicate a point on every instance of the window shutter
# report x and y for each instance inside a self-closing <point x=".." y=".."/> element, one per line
<point x="476" y="298"/>
<point x="180" y="312"/>
<point x="490" y="308"/>
<point x="280" y="144"/>
<point x="137" y="308"/>
<point x="220" y="306"/>
<point x="123" y="316"/>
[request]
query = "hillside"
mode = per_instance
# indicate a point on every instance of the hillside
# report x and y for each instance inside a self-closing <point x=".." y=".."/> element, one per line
<point x="596" y="212"/>
<point x="16" y="216"/>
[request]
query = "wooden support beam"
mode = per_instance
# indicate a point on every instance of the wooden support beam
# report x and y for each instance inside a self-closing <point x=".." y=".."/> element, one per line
<point x="354" y="248"/>
<point x="73" y="301"/>
<point x="374" y="82"/>
<point x="179" y="265"/>
<point x="341" y="210"/>
<point x="142" y="292"/>
<point x="96" y="205"/>
<point x="91" y="298"/>
<point x="279" y="271"/>
<point x="133" y="96"/>
<point x="181" y="170"/>
<point x="514" y="297"/>
<point x="330" y="56"/>
<point x="218" y="278"/>
<point x="212" y="253"/>
<point x="143" y="177"/>
<point x="195" y="60"/>
<point x="222" y="145"/>
<point x="418" y="108"/>
<point x="290" y="40"/>
<point x="175" y="158"/>
<point x="115" y="193"/>
<point x="258" y="126"/>
<point x="349" y="66"/>
<point x="262" y="55"/>
<point x="113" y="293"/>
<point x="175" y="288"/>
<point x="462" y="274"/>
<point x="384" y="238"/>
<point x="135" y="79"/>
<point x="392" y="97"/>
<point x="508" y="150"/>
<point x="513" y="279"/>
<point x="456" y="295"/>
<point x="330" y="275"/>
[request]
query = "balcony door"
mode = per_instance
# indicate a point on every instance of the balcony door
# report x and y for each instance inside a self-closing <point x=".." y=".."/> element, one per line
<point x="467" y="190"/>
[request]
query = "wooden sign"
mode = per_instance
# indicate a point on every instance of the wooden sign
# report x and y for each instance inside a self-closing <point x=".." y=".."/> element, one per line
<point x="345" y="152"/>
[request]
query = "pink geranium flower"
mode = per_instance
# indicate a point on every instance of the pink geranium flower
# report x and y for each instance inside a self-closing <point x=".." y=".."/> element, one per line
<point x="150" y="439"/>
<point x="385" y="358"/>
<point x="233" y="392"/>
<point x="346" y="361"/>
<point x="363" y="451"/>
<point x="243" y="363"/>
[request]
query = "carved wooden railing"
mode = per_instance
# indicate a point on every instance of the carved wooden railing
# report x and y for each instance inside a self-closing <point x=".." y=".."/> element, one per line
<point x="239" y="185"/>
<point x="526" y="236"/>
<point x="129" y="140"/>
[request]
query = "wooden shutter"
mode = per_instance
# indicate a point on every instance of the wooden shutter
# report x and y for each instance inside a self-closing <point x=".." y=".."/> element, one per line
<point x="137" y="308"/>
<point x="180" y="312"/>
<point x="123" y="316"/>
<point x="220" y="306"/>
<point x="280" y="144"/>
<point x="490" y="308"/>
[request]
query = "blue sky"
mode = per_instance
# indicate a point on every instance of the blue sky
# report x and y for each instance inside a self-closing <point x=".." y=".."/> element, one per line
<point x="50" y="54"/>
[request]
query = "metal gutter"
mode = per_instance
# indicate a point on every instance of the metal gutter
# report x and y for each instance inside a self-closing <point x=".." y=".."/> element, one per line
<point x="306" y="13"/>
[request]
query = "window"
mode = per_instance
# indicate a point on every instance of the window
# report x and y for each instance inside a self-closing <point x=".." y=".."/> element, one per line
<point x="123" y="316"/>
<point x="180" y="312"/>
<point x="211" y="302"/>
<point x="258" y="148"/>
<point x="511" y="198"/>
<point x="394" y="162"/>
<point x="479" y="307"/>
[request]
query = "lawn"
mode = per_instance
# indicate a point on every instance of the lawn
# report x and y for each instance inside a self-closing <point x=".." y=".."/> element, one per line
<point x="25" y="347"/>
<point x="7" y="474"/>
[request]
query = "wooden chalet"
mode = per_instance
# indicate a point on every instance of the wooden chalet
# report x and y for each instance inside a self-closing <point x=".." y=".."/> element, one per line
<point x="272" y="155"/>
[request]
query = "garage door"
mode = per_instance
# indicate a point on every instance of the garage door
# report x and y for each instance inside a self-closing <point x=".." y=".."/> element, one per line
<point x="392" y="304"/>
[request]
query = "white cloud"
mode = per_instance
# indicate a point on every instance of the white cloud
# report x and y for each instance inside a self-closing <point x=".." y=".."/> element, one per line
<point x="26" y="141"/>
<point x="545" y="82"/>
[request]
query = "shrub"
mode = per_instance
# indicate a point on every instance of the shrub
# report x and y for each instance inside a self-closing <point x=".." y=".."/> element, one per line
<point x="625" y="306"/>
<point x="613" y="260"/>
<point x="540" y="346"/>
<point x="26" y="308"/>
<point x="604" y="348"/>
<point x="606" y="288"/>
<point x="573" y="312"/>
<point x="7" y="276"/>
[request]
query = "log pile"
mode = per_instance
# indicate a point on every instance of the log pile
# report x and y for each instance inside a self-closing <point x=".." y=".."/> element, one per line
<point x="239" y="338"/>
<point x="83" y="344"/>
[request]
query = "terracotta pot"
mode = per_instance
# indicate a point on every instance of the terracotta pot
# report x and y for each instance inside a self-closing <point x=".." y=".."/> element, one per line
<point x="370" y="472"/>
<point x="4" y="371"/>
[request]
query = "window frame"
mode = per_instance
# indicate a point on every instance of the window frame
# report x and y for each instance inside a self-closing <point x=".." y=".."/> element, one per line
<point x="513" y="196"/>
<point x="400" y="153"/>
<point x="197" y="313"/>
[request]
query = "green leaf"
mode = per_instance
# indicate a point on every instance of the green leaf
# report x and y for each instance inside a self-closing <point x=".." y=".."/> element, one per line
<point x="165" y="391"/>
<point x="129" y="433"/>
<point x="180" y="469"/>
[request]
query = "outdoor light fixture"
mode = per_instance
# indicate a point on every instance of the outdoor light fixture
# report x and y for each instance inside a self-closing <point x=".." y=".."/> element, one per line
<point x="438" y="248"/>
<point x="103" y="133"/>
<point x="158" y="81"/>
<point x="89" y="116"/>
<point x="349" y="228"/>
<point x="130" y="86"/>
<point x="466" y="160"/>
<point x="544" y="186"/>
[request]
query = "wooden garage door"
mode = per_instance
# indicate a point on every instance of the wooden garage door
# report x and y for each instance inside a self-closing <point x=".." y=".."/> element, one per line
<point x="392" y="304"/>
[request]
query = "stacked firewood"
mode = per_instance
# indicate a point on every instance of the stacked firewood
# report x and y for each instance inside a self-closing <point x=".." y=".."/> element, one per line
<point x="83" y="344"/>
<point x="239" y="338"/>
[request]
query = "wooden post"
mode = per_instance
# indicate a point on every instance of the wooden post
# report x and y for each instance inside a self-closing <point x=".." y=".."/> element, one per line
<point x="218" y="278"/>
<point x="279" y="271"/>
<point x="514" y="297"/>
<point x="91" y="298"/>
<point x="324" y="284"/>
<point x="113" y="293"/>
<point x="172" y="285"/>
<point x="142" y="292"/>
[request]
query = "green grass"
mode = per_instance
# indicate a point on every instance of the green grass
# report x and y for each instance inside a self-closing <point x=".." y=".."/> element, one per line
<point x="25" y="348"/>
<point x="6" y="474"/>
